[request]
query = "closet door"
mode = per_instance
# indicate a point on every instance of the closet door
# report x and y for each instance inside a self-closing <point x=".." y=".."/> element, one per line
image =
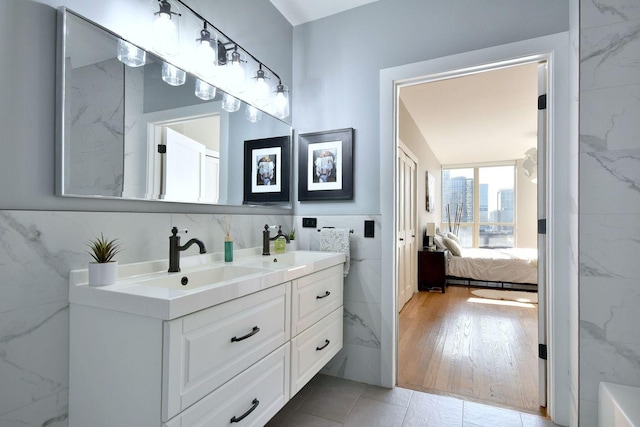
<point x="407" y="249"/>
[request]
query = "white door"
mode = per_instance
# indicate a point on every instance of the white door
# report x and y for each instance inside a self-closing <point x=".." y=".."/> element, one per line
<point x="183" y="168"/>
<point x="542" y="236"/>
<point x="407" y="246"/>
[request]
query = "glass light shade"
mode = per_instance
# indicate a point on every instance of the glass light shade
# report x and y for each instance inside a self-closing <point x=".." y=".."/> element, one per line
<point x="204" y="90"/>
<point x="166" y="30"/>
<point x="252" y="114"/>
<point x="261" y="89"/>
<point x="280" y="102"/>
<point x="230" y="103"/>
<point x="205" y="56"/>
<point x="173" y="75"/>
<point x="131" y="55"/>
<point x="235" y="74"/>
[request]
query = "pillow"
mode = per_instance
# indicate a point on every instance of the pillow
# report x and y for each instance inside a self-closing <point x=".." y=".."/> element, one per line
<point x="453" y="246"/>
<point x="454" y="237"/>
<point x="439" y="241"/>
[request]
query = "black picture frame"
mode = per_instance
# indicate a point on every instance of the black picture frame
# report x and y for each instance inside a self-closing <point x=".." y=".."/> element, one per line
<point x="325" y="165"/>
<point x="271" y="156"/>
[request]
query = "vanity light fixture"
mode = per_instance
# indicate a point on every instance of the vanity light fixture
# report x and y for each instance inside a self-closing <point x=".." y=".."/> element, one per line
<point x="131" y="55"/>
<point x="261" y="89"/>
<point x="173" y="75"/>
<point x="230" y="103"/>
<point x="222" y="61"/>
<point x="205" y="56"/>
<point x="204" y="90"/>
<point x="166" y="29"/>
<point x="252" y="114"/>
<point x="280" y="101"/>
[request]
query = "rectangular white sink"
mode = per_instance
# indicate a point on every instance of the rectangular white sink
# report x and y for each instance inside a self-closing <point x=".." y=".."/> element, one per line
<point x="206" y="277"/>
<point x="147" y="289"/>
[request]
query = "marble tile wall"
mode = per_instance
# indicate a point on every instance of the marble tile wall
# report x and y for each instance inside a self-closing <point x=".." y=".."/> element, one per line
<point x="359" y="360"/>
<point x="95" y="133"/>
<point x="37" y="251"/>
<point x="609" y="198"/>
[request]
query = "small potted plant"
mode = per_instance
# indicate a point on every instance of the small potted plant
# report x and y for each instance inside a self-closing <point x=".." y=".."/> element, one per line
<point x="104" y="269"/>
<point x="292" y="240"/>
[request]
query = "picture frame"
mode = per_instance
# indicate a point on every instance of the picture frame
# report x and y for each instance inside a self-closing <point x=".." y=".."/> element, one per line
<point x="430" y="192"/>
<point x="267" y="170"/>
<point x="325" y="165"/>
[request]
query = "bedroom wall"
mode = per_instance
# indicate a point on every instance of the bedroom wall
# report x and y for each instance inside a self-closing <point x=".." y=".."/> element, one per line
<point x="410" y="135"/>
<point x="526" y="210"/>
<point x="609" y="198"/>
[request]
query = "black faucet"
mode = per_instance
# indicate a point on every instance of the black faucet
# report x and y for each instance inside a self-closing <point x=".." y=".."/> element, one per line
<point x="175" y="249"/>
<point x="266" y="237"/>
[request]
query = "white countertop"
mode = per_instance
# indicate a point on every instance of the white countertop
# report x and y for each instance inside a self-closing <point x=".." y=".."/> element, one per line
<point x="135" y="291"/>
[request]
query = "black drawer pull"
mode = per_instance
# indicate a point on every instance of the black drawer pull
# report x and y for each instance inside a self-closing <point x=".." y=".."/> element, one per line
<point x="250" y="334"/>
<point x="326" y="294"/>
<point x="326" y="343"/>
<point x="255" y="404"/>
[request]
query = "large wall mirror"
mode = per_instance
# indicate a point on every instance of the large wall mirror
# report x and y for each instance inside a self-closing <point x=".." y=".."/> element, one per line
<point x="126" y="133"/>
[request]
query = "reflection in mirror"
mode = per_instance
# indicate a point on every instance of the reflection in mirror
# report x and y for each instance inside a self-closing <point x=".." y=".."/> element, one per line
<point x="146" y="131"/>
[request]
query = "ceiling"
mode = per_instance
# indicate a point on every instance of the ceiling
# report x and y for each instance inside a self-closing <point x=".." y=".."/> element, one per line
<point x="300" y="11"/>
<point x="484" y="117"/>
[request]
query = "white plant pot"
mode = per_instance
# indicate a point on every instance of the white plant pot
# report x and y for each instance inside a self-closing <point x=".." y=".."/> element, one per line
<point x="103" y="274"/>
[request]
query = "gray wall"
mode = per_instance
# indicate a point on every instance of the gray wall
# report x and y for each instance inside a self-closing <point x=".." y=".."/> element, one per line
<point x="28" y="119"/>
<point x="337" y="62"/>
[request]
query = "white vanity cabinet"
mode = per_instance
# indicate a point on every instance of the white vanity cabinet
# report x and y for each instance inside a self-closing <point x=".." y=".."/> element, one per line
<point x="235" y="362"/>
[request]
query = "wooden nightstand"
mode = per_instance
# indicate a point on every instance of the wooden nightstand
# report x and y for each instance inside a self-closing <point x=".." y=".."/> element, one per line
<point x="432" y="271"/>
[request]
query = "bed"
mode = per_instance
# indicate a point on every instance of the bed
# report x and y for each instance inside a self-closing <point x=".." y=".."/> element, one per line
<point x="509" y="268"/>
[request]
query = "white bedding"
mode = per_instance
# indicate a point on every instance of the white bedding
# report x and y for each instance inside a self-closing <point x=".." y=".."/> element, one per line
<point x="514" y="265"/>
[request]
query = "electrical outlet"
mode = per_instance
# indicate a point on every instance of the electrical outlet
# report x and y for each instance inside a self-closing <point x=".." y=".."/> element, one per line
<point x="309" y="222"/>
<point x="369" y="227"/>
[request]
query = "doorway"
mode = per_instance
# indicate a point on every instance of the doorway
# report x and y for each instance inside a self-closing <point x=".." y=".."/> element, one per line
<point x="455" y="343"/>
<point x="561" y="189"/>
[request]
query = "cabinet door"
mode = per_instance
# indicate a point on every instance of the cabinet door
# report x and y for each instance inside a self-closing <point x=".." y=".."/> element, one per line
<point x="313" y="348"/>
<point x="315" y="296"/>
<point x="251" y="399"/>
<point x="205" y="349"/>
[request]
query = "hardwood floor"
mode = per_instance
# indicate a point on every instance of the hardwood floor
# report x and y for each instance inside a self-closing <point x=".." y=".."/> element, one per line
<point x="480" y="351"/>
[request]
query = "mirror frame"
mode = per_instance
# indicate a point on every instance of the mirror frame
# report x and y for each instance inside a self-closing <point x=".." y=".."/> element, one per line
<point x="61" y="143"/>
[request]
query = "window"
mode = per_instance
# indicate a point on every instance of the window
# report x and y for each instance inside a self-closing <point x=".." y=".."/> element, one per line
<point x="478" y="203"/>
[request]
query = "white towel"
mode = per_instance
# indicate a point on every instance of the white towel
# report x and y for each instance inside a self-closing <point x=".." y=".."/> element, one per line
<point x="336" y="240"/>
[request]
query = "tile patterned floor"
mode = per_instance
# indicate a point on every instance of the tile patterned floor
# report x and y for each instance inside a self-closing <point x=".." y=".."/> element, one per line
<point x="333" y="402"/>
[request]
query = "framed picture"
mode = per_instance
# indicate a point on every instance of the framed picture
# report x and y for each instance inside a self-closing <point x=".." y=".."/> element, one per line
<point x="430" y="192"/>
<point x="267" y="164"/>
<point x="325" y="165"/>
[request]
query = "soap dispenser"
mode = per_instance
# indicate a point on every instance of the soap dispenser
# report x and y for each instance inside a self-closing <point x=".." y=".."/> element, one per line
<point x="280" y="244"/>
<point x="228" y="240"/>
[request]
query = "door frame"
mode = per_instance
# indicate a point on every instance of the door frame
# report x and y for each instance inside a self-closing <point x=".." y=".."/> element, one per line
<point x="561" y="185"/>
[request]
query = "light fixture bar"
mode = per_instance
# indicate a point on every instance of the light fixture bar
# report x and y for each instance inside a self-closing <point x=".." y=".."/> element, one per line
<point x="230" y="40"/>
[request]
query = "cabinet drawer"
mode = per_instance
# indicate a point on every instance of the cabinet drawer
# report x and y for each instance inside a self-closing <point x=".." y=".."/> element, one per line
<point x="313" y="348"/>
<point x="203" y="350"/>
<point x="263" y="387"/>
<point x="315" y="296"/>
